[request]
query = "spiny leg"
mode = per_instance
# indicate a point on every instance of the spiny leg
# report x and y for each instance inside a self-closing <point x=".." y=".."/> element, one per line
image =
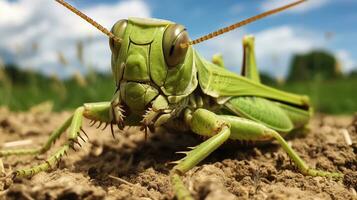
<point x="156" y="115"/>
<point x="104" y="113"/>
<point x="303" y="167"/>
<point x="224" y="127"/>
<point x="55" y="158"/>
<point x="245" y="129"/>
<point x="116" y="111"/>
<point x="94" y="111"/>
<point x="34" y="151"/>
<point x="206" y="123"/>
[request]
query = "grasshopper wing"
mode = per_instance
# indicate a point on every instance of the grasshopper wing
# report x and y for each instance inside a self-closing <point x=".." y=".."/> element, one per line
<point x="261" y="110"/>
<point x="218" y="82"/>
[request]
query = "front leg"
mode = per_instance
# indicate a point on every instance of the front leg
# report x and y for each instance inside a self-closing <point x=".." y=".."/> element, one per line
<point x="159" y="113"/>
<point x="94" y="111"/>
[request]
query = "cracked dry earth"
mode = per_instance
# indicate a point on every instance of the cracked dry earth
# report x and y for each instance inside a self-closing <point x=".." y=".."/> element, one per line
<point x="235" y="171"/>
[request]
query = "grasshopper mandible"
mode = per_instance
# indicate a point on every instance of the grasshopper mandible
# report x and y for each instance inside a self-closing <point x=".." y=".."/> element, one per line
<point x="162" y="81"/>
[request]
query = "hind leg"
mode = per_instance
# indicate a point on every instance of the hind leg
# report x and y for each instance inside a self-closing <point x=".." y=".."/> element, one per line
<point x="245" y="129"/>
<point x="220" y="128"/>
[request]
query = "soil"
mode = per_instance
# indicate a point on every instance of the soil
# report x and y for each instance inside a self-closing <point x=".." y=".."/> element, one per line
<point x="235" y="171"/>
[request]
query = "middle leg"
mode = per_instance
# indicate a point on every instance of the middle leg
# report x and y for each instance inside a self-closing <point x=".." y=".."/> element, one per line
<point x="202" y="122"/>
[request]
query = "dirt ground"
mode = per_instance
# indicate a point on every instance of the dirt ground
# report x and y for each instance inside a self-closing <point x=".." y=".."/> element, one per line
<point x="235" y="171"/>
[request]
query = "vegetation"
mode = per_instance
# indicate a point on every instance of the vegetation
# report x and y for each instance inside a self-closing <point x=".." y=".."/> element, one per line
<point x="316" y="74"/>
<point x="23" y="89"/>
<point x="314" y="65"/>
<point x="337" y="96"/>
<point x="20" y="90"/>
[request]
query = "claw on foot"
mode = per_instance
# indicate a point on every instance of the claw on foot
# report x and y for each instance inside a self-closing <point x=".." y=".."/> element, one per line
<point x="148" y="121"/>
<point x="112" y="130"/>
<point x="117" y="114"/>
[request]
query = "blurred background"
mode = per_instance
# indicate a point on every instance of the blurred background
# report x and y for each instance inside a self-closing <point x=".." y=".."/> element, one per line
<point x="52" y="59"/>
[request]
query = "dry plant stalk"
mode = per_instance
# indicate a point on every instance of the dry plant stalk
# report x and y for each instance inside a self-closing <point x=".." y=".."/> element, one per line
<point x="17" y="143"/>
<point x="2" y="168"/>
<point x="347" y="137"/>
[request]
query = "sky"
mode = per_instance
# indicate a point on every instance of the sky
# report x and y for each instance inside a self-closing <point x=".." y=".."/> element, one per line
<point x="36" y="34"/>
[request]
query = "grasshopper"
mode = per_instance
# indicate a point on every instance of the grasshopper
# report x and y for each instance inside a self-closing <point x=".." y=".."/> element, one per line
<point x="162" y="80"/>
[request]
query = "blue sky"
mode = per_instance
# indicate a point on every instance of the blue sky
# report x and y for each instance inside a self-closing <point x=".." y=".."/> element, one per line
<point x="299" y="30"/>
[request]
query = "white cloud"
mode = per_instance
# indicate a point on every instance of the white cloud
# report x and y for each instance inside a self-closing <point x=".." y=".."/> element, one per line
<point x="304" y="7"/>
<point x="274" y="48"/>
<point x="345" y="60"/>
<point x="54" y="29"/>
<point x="13" y="12"/>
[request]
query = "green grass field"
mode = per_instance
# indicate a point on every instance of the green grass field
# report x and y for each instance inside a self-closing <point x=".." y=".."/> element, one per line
<point x="332" y="96"/>
<point x="20" y="93"/>
<point x="67" y="94"/>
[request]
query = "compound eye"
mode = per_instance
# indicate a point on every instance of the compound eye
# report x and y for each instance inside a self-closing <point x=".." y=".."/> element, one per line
<point x="118" y="30"/>
<point x="174" y="36"/>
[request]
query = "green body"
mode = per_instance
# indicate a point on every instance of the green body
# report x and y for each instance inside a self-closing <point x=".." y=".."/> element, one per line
<point x="161" y="84"/>
<point x="141" y="75"/>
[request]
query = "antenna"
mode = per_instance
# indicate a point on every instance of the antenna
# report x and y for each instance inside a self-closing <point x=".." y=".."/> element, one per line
<point x="89" y="20"/>
<point x="239" y="24"/>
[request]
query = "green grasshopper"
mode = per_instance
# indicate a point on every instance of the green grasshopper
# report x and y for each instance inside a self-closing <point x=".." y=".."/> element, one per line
<point x="162" y="81"/>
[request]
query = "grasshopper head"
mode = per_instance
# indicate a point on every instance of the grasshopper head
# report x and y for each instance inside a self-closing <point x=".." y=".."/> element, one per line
<point x="150" y="61"/>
